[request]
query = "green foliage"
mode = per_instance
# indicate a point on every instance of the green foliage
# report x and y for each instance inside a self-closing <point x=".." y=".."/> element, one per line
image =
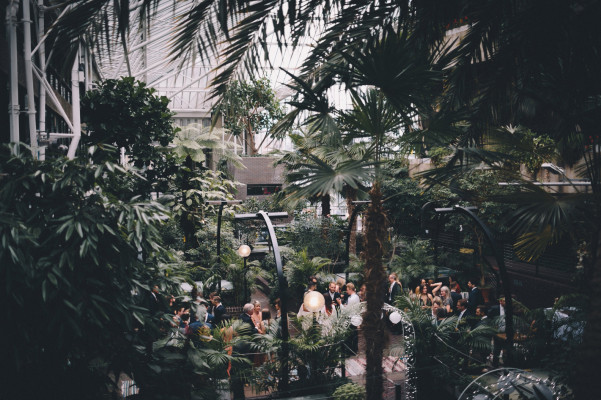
<point x="189" y="191"/>
<point x="249" y="107"/>
<point x="195" y="141"/>
<point x="299" y="268"/>
<point x="438" y="347"/>
<point x="416" y="261"/>
<point x="533" y="148"/>
<point x="127" y="114"/>
<point x="238" y="275"/>
<point x="317" y="236"/>
<point x="403" y="201"/>
<point x="76" y="263"/>
<point x="349" y="391"/>
<point x="314" y="353"/>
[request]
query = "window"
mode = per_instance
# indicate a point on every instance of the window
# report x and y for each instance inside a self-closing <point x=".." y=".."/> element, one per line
<point x="261" y="190"/>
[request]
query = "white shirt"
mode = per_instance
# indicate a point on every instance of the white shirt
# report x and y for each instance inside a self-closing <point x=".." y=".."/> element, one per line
<point x="353" y="299"/>
<point x="459" y="317"/>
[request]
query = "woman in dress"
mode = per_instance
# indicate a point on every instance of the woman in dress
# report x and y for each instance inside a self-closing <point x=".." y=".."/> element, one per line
<point x="257" y="317"/>
<point x="425" y="298"/>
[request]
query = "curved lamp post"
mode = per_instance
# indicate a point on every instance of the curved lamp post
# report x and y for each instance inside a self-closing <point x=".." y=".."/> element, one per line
<point x="244" y="252"/>
<point x="469" y="211"/>
<point x="221" y="204"/>
<point x="283" y="284"/>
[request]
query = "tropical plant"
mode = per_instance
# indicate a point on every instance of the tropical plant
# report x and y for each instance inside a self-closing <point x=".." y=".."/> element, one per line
<point x="243" y="279"/>
<point x="127" y="114"/>
<point x="415" y="261"/>
<point x="317" y="236"/>
<point x="437" y="346"/>
<point x="324" y="163"/>
<point x="76" y="260"/>
<point x="349" y="391"/>
<point x="299" y="268"/>
<point x="194" y="141"/>
<point x="315" y="353"/>
<point x="248" y="108"/>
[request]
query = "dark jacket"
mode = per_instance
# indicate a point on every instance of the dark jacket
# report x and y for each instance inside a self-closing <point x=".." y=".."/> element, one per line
<point x="391" y="295"/>
<point x="218" y="313"/>
<point x="328" y="300"/>
<point x="474" y="300"/>
<point x="248" y="320"/>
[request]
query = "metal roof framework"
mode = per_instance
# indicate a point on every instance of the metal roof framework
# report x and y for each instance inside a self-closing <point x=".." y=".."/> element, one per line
<point x="146" y="56"/>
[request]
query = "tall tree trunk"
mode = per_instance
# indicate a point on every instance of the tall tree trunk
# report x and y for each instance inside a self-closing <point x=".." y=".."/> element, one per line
<point x="251" y="145"/>
<point x="375" y="277"/>
<point x="325" y="205"/>
<point x="589" y="352"/>
<point x="350" y="195"/>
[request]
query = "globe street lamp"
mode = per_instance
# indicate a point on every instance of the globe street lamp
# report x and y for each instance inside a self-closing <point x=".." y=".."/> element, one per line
<point x="244" y="252"/>
<point x="314" y="301"/>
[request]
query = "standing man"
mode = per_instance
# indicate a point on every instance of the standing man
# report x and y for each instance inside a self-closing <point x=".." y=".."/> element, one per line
<point x="475" y="298"/>
<point x="353" y="298"/>
<point x="394" y="288"/>
<point x="462" y="312"/>
<point x="332" y="298"/>
<point x="218" y="310"/>
<point x="156" y="302"/>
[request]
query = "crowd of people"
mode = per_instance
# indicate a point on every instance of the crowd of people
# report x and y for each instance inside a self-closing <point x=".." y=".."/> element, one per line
<point x="446" y="299"/>
<point x="443" y="300"/>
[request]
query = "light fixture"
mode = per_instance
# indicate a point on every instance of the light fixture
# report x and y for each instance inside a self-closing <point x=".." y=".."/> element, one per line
<point x="244" y="251"/>
<point x="395" y="317"/>
<point x="81" y="72"/>
<point x="314" y="301"/>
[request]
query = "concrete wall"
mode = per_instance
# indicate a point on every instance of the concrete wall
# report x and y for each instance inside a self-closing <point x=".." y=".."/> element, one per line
<point x="259" y="171"/>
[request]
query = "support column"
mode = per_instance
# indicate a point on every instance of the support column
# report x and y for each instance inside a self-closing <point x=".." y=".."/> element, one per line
<point x="11" y="15"/>
<point x="33" y="134"/>
<point x="75" y="108"/>
<point x="42" y="64"/>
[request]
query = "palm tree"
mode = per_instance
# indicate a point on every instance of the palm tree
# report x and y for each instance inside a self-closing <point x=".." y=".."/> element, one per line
<point x="546" y="83"/>
<point x="374" y="120"/>
<point x="316" y="169"/>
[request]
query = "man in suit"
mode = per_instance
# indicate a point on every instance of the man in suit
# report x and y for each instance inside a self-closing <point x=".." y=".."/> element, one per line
<point x="394" y="289"/>
<point x="474" y="298"/>
<point x="247" y="311"/>
<point x="462" y="312"/>
<point x="481" y="316"/>
<point x="332" y="298"/>
<point x="218" y="310"/>
<point x="455" y="297"/>
<point x="156" y="302"/>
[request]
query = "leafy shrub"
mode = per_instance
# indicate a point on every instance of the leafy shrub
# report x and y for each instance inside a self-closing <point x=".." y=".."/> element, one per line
<point x="75" y="262"/>
<point x="349" y="391"/>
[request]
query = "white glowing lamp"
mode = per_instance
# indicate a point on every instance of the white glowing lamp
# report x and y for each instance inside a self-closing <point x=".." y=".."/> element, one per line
<point x="395" y="317"/>
<point x="314" y="301"/>
<point x="244" y="251"/>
